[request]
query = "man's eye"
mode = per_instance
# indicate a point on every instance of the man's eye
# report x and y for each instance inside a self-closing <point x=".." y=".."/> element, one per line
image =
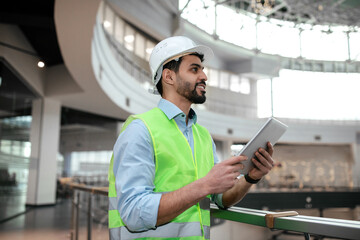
<point x="195" y="69"/>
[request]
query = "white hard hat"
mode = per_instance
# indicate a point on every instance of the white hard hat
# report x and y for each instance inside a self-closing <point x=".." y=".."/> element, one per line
<point x="173" y="48"/>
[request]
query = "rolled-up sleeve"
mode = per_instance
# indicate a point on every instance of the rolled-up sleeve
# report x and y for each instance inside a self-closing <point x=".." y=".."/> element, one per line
<point x="216" y="198"/>
<point x="134" y="170"/>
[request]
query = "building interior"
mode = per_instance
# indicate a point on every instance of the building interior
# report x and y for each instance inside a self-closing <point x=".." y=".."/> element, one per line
<point x="72" y="72"/>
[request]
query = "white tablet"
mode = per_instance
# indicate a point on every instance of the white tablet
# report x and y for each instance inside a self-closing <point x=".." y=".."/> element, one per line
<point x="271" y="132"/>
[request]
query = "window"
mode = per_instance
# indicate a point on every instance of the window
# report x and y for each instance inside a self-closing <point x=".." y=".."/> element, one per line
<point x="245" y="86"/>
<point x="5" y="146"/>
<point x="213" y="77"/>
<point x="326" y="95"/>
<point x="264" y="98"/>
<point x="354" y="39"/>
<point x="319" y="44"/>
<point x="200" y="13"/>
<point x="148" y="49"/>
<point x="108" y="19"/>
<point x="94" y="161"/>
<point x="17" y="148"/>
<point x="224" y="80"/>
<point x="272" y="36"/>
<point x="235" y="83"/>
<point x="129" y="38"/>
<point x="119" y="30"/>
<point x="271" y="39"/>
<point x="140" y="45"/>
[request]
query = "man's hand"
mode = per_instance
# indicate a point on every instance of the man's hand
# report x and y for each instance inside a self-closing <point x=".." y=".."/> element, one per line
<point x="263" y="166"/>
<point x="223" y="176"/>
<point x="264" y="162"/>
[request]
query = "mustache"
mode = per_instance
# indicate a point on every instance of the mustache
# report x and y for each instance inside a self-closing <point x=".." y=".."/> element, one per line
<point x="202" y="82"/>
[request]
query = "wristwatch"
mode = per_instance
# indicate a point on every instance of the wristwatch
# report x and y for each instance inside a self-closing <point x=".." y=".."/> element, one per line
<point x="250" y="180"/>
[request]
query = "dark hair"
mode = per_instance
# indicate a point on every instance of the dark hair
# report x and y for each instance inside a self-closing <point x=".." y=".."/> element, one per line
<point x="174" y="66"/>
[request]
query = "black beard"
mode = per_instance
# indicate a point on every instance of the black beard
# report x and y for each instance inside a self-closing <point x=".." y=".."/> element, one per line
<point x="192" y="96"/>
<point x="195" y="98"/>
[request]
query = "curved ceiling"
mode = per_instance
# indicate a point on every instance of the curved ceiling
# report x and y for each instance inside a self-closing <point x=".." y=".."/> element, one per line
<point x="322" y="12"/>
<point x="36" y="21"/>
<point x="35" y="18"/>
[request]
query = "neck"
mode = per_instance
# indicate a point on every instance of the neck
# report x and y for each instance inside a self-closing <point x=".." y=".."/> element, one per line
<point x="182" y="103"/>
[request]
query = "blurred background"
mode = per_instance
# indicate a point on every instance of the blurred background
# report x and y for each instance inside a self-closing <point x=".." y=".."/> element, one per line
<point x="71" y="72"/>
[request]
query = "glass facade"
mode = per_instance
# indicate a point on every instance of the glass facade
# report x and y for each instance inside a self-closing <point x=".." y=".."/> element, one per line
<point x="15" y="121"/>
<point x="326" y="93"/>
<point x="273" y="36"/>
<point x="310" y="95"/>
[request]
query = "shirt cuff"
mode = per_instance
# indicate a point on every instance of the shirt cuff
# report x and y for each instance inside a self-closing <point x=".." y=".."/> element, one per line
<point x="217" y="199"/>
<point x="149" y="212"/>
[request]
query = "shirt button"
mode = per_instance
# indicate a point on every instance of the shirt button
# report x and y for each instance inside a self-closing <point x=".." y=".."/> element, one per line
<point x="183" y="115"/>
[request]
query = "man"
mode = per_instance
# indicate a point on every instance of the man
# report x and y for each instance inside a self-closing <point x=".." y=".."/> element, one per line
<point x="164" y="169"/>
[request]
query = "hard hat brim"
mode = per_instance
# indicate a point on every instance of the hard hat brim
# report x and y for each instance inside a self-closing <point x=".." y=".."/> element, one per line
<point x="201" y="49"/>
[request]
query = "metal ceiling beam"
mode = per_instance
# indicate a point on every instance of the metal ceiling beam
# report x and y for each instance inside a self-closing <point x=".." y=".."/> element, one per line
<point x="276" y="8"/>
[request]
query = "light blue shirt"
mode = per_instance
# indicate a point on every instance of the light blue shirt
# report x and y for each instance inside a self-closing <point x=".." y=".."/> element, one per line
<point x="134" y="169"/>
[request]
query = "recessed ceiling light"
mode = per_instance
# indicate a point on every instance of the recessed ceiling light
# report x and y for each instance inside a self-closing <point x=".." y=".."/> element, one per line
<point x="41" y="64"/>
<point x="107" y="24"/>
<point x="129" y="38"/>
<point x="149" y="50"/>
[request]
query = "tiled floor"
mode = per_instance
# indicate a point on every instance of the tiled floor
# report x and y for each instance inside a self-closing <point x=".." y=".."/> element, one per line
<point x="49" y="222"/>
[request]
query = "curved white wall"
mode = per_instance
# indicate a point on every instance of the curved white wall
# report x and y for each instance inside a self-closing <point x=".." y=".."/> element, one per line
<point x="106" y="91"/>
<point x="120" y="86"/>
<point x="74" y="22"/>
<point x="128" y="94"/>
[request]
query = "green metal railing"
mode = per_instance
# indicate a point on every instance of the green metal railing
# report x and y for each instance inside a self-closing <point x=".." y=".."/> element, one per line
<point x="329" y="227"/>
<point x="288" y="221"/>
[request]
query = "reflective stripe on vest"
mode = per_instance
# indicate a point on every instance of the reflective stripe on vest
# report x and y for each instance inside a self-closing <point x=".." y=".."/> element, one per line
<point x="174" y="169"/>
<point x="190" y="230"/>
<point x="204" y="204"/>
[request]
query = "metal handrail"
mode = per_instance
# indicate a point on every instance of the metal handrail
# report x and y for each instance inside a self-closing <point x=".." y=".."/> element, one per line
<point x="320" y="226"/>
<point x="329" y="227"/>
<point x="75" y="209"/>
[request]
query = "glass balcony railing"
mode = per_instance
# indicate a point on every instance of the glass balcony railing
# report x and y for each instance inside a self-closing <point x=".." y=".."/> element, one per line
<point x="90" y="201"/>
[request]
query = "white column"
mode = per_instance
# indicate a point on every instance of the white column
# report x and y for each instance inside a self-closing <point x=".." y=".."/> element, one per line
<point x="44" y="138"/>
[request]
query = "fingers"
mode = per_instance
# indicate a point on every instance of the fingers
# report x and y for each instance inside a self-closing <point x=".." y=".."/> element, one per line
<point x="224" y="175"/>
<point x="262" y="164"/>
<point x="231" y="165"/>
<point x="234" y="160"/>
<point x="264" y="157"/>
<point x="270" y="148"/>
<point x="265" y="162"/>
<point x="235" y="168"/>
<point x="234" y="163"/>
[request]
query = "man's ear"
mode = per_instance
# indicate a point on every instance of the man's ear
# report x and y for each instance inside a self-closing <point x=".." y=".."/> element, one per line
<point x="168" y="76"/>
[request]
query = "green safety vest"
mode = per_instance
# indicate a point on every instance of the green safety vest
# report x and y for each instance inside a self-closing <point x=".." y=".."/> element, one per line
<point x="176" y="166"/>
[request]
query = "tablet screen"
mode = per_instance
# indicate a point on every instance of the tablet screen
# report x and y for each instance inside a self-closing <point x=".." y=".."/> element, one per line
<point x="271" y="132"/>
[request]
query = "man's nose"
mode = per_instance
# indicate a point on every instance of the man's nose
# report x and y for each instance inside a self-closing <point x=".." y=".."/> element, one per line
<point x="203" y="76"/>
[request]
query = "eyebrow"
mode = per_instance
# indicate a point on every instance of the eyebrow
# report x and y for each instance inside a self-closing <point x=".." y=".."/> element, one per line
<point x="197" y="65"/>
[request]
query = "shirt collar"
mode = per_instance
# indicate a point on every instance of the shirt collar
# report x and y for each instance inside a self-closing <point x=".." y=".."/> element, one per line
<point x="171" y="110"/>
